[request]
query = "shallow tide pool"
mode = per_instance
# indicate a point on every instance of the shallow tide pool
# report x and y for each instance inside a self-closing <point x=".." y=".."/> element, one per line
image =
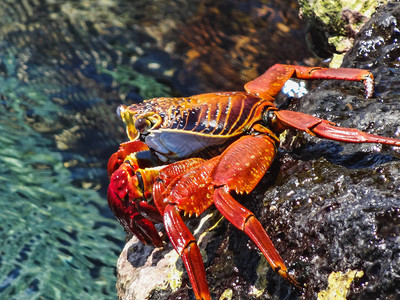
<point x="60" y="82"/>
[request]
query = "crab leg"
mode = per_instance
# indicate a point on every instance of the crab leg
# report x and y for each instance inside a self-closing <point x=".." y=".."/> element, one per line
<point x="181" y="238"/>
<point x="185" y="244"/>
<point x="324" y="129"/>
<point x="240" y="168"/>
<point x="269" y="84"/>
<point x="244" y="220"/>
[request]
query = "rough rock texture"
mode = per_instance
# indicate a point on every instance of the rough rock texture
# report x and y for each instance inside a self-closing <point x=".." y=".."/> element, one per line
<point x="65" y="66"/>
<point x="327" y="206"/>
<point x="152" y="272"/>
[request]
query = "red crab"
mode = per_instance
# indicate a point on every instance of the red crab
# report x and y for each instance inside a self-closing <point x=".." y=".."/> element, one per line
<point x="243" y="128"/>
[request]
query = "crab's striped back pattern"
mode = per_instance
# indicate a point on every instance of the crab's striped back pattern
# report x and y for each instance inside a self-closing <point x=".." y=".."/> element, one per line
<point x="180" y="127"/>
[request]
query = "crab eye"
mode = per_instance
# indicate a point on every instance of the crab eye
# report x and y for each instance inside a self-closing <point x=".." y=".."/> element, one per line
<point x="142" y="125"/>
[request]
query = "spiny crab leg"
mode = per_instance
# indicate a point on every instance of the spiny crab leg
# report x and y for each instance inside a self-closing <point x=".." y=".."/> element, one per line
<point x="269" y="84"/>
<point x="240" y="168"/>
<point x="324" y="129"/>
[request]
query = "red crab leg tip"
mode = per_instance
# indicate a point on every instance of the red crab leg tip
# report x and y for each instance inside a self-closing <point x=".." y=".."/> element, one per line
<point x="285" y="274"/>
<point x="351" y="135"/>
<point x="244" y="220"/>
<point x="185" y="244"/>
<point x="195" y="267"/>
<point x="339" y="74"/>
<point x="271" y="82"/>
<point x="324" y="129"/>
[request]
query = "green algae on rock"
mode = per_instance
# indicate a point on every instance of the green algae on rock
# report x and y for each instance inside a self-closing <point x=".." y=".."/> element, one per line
<point x="337" y="21"/>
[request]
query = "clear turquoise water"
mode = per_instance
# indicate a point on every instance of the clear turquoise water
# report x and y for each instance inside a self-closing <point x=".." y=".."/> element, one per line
<point x="61" y="79"/>
<point x="55" y="243"/>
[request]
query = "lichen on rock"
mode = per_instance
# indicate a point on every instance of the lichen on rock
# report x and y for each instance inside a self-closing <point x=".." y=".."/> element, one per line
<point x="337" y="21"/>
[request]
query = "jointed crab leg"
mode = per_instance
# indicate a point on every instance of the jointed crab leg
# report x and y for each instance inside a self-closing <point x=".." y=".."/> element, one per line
<point x="322" y="128"/>
<point x="268" y="85"/>
<point x="185" y="244"/>
<point x="244" y="220"/>
<point x="240" y="167"/>
<point x="169" y="182"/>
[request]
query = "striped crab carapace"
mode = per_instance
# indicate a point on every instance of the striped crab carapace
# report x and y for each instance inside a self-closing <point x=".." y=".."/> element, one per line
<point x="244" y="128"/>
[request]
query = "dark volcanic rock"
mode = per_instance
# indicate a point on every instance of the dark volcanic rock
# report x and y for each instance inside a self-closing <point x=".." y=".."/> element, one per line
<point x="342" y="201"/>
<point x="327" y="206"/>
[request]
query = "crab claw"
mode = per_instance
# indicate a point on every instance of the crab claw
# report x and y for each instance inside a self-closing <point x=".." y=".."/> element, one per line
<point x="134" y="215"/>
<point x="131" y="148"/>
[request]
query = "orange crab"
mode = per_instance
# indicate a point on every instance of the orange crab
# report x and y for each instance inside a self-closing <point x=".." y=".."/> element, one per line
<point x="243" y="128"/>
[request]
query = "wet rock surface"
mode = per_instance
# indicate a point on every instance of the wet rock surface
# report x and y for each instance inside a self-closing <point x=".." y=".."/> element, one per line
<point x="343" y="199"/>
<point x="65" y="66"/>
<point x="327" y="206"/>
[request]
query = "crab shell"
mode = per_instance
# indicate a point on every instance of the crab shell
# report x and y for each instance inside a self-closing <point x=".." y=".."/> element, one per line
<point x="176" y="128"/>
